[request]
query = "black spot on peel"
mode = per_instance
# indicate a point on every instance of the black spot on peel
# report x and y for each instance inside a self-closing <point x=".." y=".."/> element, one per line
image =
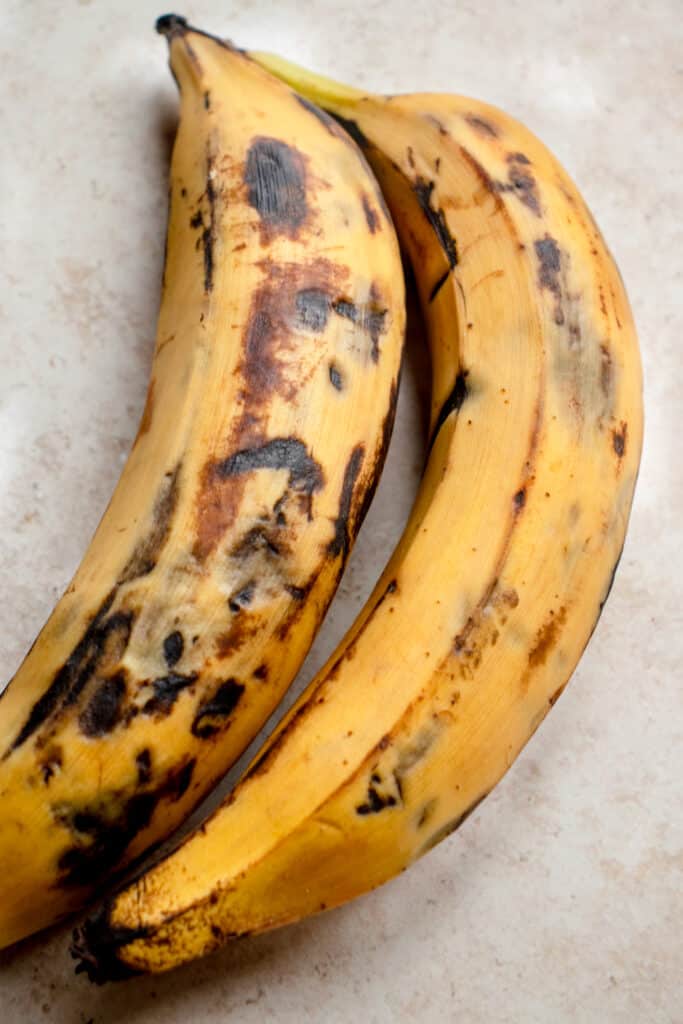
<point x="341" y="541"/>
<point x="312" y="309"/>
<point x="287" y="453"/>
<point x="207" y="101"/>
<point x="298" y="593"/>
<point x="102" y="830"/>
<point x="261" y="672"/>
<point x="482" y="125"/>
<point x="275" y="176"/>
<point x="453" y="403"/>
<point x="370" y="317"/>
<point x="173" y="648"/>
<point x="437" y="218"/>
<point x="279" y="510"/>
<point x="376" y="800"/>
<point x="619" y="440"/>
<point x="256" y="539"/>
<point x="321" y="115"/>
<point x="211" y="716"/>
<point x="439" y="125"/>
<point x="143" y="763"/>
<point x="351" y="128"/>
<point x="549" y="271"/>
<point x="521" y="182"/>
<point x="242" y="597"/>
<point x="197" y="220"/>
<point x="146" y="553"/>
<point x="519" y="500"/>
<point x="51" y="763"/>
<point x="336" y="378"/>
<point x="167" y="689"/>
<point x="103" y="643"/>
<point x="103" y="710"/>
<point x="210" y="229"/>
<point x="371" y="218"/>
<point x="438" y="285"/>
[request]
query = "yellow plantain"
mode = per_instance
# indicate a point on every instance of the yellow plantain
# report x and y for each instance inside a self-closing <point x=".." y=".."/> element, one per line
<point x="498" y="582"/>
<point x="268" y="415"/>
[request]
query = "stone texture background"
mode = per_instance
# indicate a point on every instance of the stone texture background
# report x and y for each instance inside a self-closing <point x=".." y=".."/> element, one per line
<point x="560" y="898"/>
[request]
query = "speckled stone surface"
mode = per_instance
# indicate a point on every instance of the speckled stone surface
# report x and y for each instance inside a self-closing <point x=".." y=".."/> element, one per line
<point x="560" y="899"/>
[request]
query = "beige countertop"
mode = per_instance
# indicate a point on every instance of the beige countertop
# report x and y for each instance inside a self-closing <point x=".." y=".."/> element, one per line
<point x="560" y="899"/>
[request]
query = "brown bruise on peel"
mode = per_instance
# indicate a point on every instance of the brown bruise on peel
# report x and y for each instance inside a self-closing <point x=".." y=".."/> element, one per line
<point x="241" y="631"/>
<point x="293" y="298"/>
<point x="101" y="830"/>
<point x="275" y="178"/>
<point x="547" y="637"/>
<point x="482" y="628"/>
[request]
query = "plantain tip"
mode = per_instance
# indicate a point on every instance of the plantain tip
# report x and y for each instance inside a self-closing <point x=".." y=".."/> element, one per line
<point x="171" y="25"/>
<point x="95" y="947"/>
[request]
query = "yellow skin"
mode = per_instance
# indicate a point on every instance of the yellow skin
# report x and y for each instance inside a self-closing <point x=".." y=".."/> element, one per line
<point x="492" y="594"/>
<point x="269" y="411"/>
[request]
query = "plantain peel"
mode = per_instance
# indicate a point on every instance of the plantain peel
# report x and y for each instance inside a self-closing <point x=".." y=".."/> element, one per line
<point x="497" y="584"/>
<point x="268" y="415"/>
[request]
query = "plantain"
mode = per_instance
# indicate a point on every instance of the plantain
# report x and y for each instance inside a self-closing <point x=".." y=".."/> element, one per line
<point x="267" y="419"/>
<point x="499" y="579"/>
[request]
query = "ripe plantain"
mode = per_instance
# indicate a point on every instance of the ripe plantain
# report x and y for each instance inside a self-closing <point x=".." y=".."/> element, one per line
<point x="267" y="418"/>
<point x="496" y="586"/>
